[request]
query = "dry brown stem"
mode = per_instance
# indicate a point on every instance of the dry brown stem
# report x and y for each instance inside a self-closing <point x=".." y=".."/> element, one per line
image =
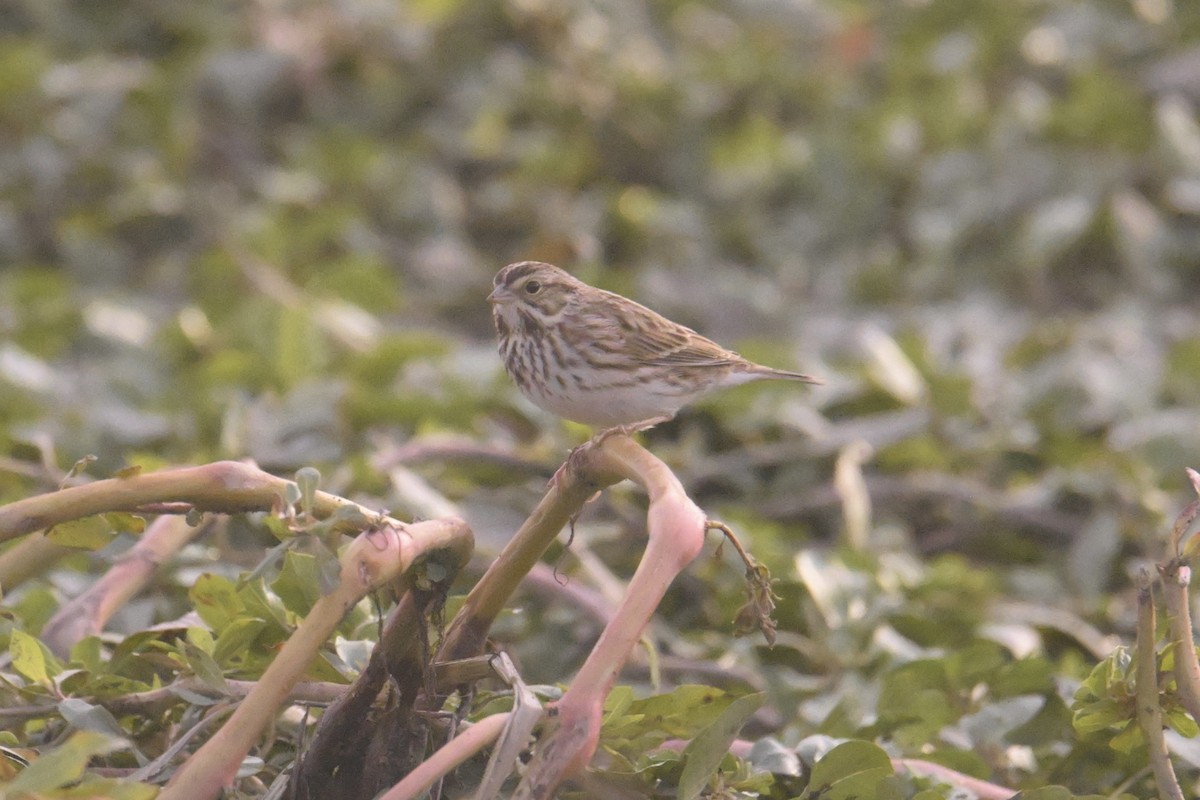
<point x="376" y="558"/>
<point x="361" y="744"/>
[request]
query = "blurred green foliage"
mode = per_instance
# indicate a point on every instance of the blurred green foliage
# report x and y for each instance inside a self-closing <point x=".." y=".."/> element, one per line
<point x="266" y="230"/>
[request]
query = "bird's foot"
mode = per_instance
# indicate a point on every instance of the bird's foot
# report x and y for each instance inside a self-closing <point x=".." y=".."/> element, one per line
<point x="629" y="429"/>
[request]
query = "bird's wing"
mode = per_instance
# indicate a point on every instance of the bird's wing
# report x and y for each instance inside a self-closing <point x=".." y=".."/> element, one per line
<point x="651" y="339"/>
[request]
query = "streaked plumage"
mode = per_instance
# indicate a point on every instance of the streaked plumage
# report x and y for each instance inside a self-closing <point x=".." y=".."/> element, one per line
<point x="601" y="359"/>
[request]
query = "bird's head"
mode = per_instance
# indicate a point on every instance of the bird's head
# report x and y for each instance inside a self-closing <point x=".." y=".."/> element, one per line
<point x="531" y="291"/>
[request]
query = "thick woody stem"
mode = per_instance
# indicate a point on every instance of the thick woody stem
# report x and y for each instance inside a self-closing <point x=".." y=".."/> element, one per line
<point x="1176" y="576"/>
<point x="222" y="486"/>
<point x="1175" y="580"/>
<point x="676" y="529"/>
<point x="580" y="478"/>
<point x="1149" y="712"/>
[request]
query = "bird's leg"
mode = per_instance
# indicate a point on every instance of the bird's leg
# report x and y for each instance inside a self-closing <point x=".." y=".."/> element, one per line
<point x="629" y="429"/>
<point x="623" y="430"/>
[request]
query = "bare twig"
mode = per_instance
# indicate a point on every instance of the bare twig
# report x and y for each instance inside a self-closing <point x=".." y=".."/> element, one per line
<point x="760" y="599"/>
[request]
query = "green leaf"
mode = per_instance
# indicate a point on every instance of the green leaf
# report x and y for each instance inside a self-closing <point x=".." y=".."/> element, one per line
<point x="329" y="572"/>
<point x="87" y="717"/>
<point x="916" y="701"/>
<point x="291" y="494"/>
<point x="1026" y="676"/>
<point x="123" y="522"/>
<point x="31" y="658"/>
<point x="261" y="605"/>
<point x="273" y="557"/>
<point x="279" y="527"/>
<point x="61" y="766"/>
<point x="705" y="752"/>
<point x="205" y="667"/>
<point x="88" y="653"/>
<point x="684" y="710"/>
<point x="80" y="466"/>
<point x="216" y="601"/>
<point x="617" y="703"/>
<point x="1099" y="716"/>
<point x="850" y="771"/>
<point x="1127" y="740"/>
<point x="201" y="638"/>
<point x="237" y="637"/>
<point x="251" y="765"/>
<point x="1182" y="723"/>
<point x="86" y="533"/>
<point x="194" y="697"/>
<point x="299" y="582"/>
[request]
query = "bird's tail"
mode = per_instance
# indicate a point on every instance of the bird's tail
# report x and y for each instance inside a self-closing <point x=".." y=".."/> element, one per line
<point x="783" y="374"/>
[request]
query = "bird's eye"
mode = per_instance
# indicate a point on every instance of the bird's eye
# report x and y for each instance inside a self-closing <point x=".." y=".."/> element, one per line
<point x="533" y="287"/>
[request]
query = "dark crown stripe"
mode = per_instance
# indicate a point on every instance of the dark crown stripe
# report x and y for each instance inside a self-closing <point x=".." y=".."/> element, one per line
<point x="514" y="272"/>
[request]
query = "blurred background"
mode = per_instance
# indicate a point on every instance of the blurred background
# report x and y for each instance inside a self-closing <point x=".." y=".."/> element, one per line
<point x="267" y="229"/>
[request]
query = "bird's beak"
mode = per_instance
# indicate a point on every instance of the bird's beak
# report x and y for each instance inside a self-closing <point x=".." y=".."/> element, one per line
<point x="499" y="295"/>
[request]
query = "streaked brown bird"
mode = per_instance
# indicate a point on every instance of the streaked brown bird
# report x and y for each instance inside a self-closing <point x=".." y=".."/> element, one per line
<point x="601" y="359"/>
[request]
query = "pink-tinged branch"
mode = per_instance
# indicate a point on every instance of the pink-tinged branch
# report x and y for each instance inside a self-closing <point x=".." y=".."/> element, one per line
<point x="981" y="789"/>
<point x="676" y="535"/>
<point x="87" y="613"/>
<point x="449" y="756"/>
